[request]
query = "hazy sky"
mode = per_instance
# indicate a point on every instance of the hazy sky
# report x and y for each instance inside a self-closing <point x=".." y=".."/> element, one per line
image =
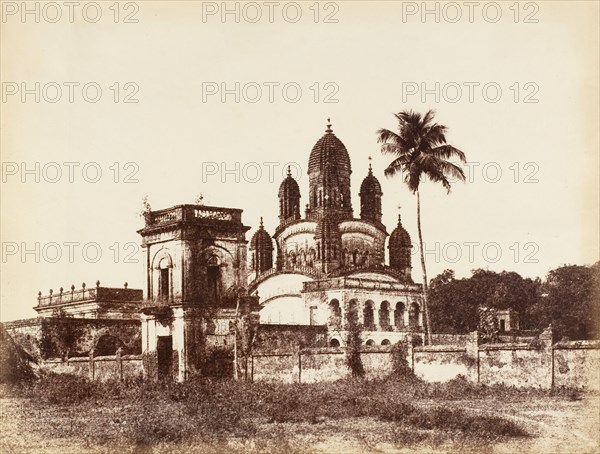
<point x="531" y="203"/>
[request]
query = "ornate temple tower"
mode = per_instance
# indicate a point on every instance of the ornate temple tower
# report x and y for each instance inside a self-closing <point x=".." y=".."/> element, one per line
<point x="329" y="179"/>
<point x="400" y="250"/>
<point x="289" y="200"/>
<point x="370" y="198"/>
<point x="329" y="244"/>
<point x="261" y="250"/>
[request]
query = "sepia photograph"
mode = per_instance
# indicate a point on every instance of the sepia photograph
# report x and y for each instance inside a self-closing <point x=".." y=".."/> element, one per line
<point x="312" y="227"/>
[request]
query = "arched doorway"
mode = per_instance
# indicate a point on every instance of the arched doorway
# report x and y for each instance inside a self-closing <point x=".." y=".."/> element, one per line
<point x="369" y="319"/>
<point x="399" y="315"/>
<point x="335" y="313"/>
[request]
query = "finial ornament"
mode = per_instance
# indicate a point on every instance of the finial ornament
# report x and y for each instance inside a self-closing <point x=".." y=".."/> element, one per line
<point x="261" y="222"/>
<point x="370" y="168"/>
<point x="329" y="125"/>
<point x="289" y="171"/>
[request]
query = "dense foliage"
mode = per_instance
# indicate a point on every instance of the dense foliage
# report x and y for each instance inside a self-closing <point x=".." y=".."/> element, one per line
<point x="569" y="299"/>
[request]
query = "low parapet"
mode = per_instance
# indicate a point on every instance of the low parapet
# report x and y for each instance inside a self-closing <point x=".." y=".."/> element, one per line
<point x="84" y="294"/>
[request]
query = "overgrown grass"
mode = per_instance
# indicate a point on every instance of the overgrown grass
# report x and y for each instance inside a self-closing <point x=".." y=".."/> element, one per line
<point x="146" y="414"/>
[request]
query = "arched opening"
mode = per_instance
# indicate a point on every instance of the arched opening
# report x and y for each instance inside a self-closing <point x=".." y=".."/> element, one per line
<point x="384" y="315"/>
<point x="370" y="342"/>
<point x="213" y="278"/>
<point x="355" y="257"/>
<point x="385" y="342"/>
<point x="369" y="320"/>
<point x="365" y="259"/>
<point x="413" y="315"/>
<point x="164" y="278"/>
<point x="399" y="315"/>
<point x="335" y="313"/>
<point x="334" y="343"/>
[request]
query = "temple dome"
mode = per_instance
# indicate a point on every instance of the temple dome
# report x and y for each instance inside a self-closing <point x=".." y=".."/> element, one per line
<point x="289" y="187"/>
<point x="329" y="149"/>
<point x="261" y="240"/>
<point x="400" y="248"/>
<point x="370" y="198"/>
<point x="370" y="185"/>
<point x="399" y="237"/>
<point x="261" y="248"/>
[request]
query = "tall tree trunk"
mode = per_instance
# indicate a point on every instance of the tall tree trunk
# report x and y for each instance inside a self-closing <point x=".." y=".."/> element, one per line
<point x="425" y="286"/>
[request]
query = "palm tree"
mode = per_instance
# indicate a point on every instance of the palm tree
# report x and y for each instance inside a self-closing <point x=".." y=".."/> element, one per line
<point x="420" y="149"/>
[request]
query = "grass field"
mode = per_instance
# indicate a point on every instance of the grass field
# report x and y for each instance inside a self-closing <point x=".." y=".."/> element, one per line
<point x="70" y="415"/>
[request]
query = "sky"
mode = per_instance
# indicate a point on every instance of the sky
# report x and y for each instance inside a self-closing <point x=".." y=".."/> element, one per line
<point x="171" y="100"/>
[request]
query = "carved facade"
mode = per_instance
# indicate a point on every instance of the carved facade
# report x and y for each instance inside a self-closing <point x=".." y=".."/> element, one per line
<point x="330" y="263"/>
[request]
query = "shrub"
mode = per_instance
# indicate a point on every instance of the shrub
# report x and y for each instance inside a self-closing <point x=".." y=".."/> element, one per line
<point x="353" y="344"/>
<point x="63" y="389"/>
<point x="400" y="366"/>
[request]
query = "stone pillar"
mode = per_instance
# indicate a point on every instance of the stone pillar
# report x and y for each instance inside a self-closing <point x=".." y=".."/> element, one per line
<point x="178" y="333"/>
<point x="420" y="317"/>
<point x="144" y="322"/>
<point x="376" y="318"/>
<point x="410" y="354"/>
<point x="91" y="366"/>
<point x="391" y="317"/>
<point x="547" y="351"/>
<point x="405" y="318"/>
<point x="296" y="371"/>
<point x="360" y="315"/>
<point x="119" y="361"/>
<point x="149" y="354"/>
<point x="473" y="356"/>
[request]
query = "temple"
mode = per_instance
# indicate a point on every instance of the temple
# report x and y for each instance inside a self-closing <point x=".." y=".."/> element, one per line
<point x="328" y="263"/>
<point x="208" y="293"/>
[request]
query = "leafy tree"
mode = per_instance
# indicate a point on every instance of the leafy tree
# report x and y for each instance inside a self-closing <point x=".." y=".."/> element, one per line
<point x="420" y="150"/>
<point x="455" y="302"/>
<point x="570" y="301"/>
